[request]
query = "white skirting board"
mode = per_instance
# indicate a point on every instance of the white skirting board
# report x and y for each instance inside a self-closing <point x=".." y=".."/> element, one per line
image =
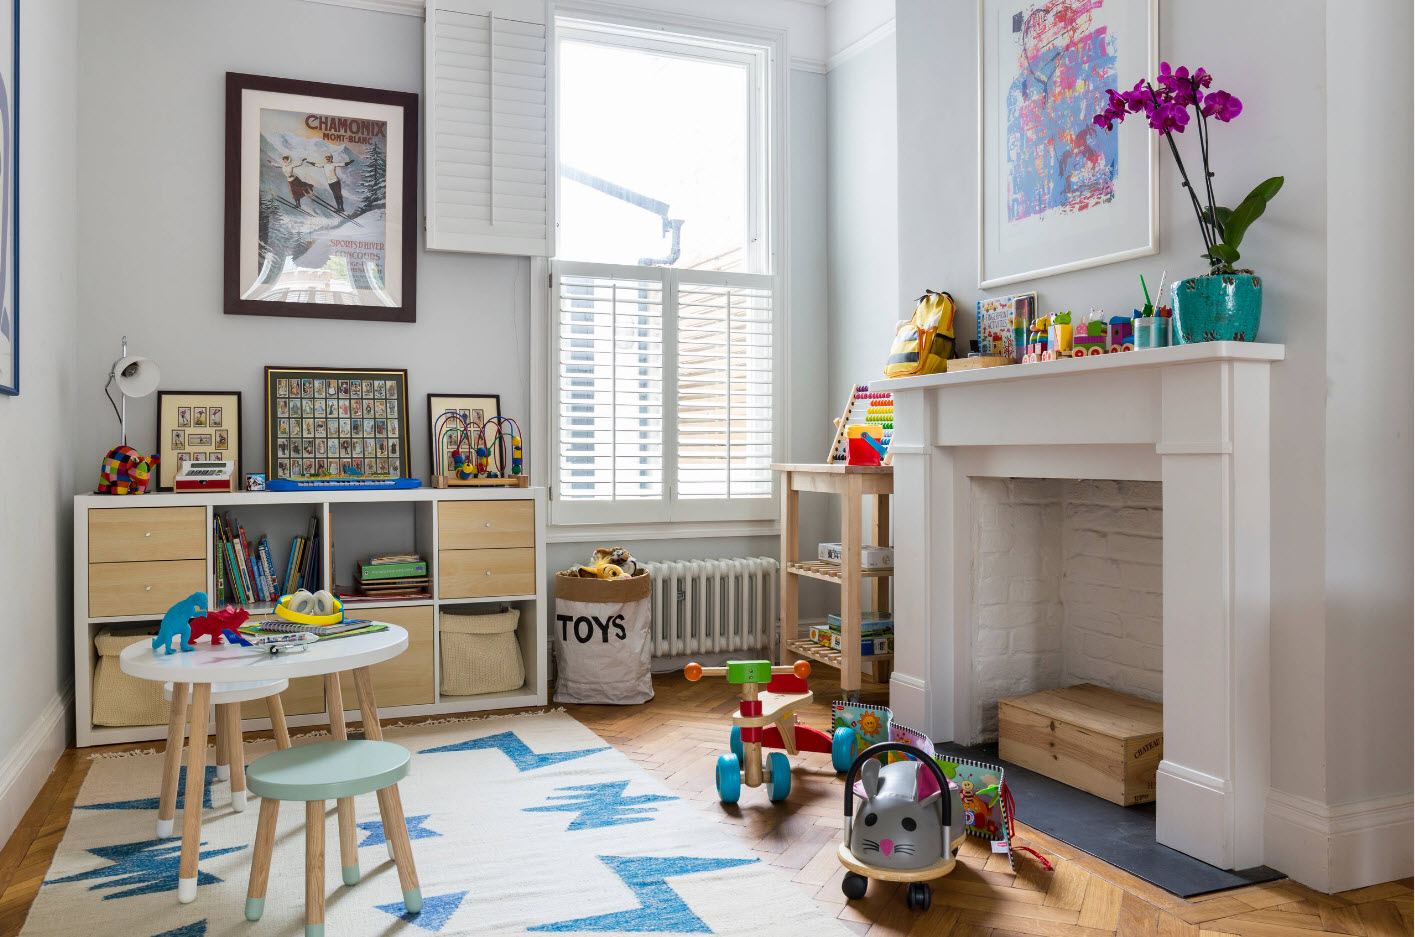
<point x="1336" y="847"/>
<point x="25" y="769"/>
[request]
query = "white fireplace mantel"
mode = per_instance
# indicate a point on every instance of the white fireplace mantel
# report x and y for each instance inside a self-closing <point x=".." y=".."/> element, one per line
<point x="1194" y="417"/>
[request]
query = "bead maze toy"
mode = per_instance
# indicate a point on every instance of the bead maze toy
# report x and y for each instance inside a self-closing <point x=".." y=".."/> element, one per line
<point x="766" y="718"/>
<point x="867" y="414"/>
<point x="468" y="453"/>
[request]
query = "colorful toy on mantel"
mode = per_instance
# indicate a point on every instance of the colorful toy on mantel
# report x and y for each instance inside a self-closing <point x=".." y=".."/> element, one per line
<point x="125" y="471"/>
<point x="765" y="719"/>
<point x="1089" y="338"/>
<point x="177" y="623"/>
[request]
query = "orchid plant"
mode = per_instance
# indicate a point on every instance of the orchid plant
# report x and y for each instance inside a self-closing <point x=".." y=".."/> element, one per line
<point x="1166" y="102"/>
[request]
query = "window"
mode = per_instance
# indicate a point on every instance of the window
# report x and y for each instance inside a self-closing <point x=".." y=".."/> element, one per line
<point x="664" y="298"/>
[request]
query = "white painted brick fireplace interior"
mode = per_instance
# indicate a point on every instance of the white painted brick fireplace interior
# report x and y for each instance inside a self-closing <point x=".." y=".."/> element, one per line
<point x="1066" y="588"/>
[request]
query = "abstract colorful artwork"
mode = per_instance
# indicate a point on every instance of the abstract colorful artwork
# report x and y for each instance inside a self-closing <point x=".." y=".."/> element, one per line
<point x="1058" y="193"/>
<point x="1057" y="160"/>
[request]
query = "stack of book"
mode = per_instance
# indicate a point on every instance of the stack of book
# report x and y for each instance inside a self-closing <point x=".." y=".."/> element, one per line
<point x="247" y="575"/>
<point x="876" y="633"/>
<point x="398" y="576"/>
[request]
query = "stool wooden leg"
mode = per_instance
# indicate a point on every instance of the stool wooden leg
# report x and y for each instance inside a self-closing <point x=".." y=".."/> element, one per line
<point x="196" y="790"/>
<point x="172" y="760"/>
<point x="223" y="742"/>
<point x="395" y="829"/>
<point x="314" y="868"/>
<point x="277" y="721"/>
<point x="368" y="709"/>
<point x="236" y="751"/>
<point x="348" y="832"/>
<point x="260" y="860"/>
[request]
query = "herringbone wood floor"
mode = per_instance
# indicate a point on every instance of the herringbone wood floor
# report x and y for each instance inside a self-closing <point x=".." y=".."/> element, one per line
<point x="678" y="737"/>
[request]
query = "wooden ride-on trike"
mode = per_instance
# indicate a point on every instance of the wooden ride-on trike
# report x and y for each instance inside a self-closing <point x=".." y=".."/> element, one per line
<point x="766" y="718"/>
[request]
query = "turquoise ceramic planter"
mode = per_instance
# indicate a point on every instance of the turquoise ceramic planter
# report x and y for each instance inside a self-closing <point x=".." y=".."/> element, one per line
<point x="1217" y="308"/>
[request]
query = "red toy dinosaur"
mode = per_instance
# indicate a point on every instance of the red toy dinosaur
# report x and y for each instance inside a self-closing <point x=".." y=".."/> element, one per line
<point x="211" y="624"/>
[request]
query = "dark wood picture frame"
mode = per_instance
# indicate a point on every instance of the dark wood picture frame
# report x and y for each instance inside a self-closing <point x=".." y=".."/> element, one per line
<point x="275" y="373"/>
<point x="432" y="416"/>
<point x="164" y="434"/>
<point x="234" y="303"/>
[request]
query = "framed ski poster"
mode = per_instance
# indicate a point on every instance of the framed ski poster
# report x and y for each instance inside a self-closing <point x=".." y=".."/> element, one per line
<point x="321" y="200"/>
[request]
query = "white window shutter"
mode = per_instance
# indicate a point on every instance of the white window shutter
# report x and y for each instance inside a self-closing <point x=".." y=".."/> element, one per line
<point x="489" y="156"/>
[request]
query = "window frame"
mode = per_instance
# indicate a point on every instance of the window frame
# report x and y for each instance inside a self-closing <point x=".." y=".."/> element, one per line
<point x="767" y="209"/>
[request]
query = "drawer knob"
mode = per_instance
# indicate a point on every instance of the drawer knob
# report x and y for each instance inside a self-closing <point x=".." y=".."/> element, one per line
<point x="488" y="523"/>
<point x="147" y="588"/>
<point x="488" y="572"/>
<point x="148" y="534"/>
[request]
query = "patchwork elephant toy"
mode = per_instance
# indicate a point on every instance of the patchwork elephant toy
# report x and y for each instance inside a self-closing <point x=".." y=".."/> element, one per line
<point x="125" y="471"/>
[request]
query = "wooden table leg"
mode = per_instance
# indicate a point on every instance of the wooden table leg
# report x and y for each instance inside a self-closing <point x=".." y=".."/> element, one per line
<point x="260" y="858"/>
<point x="196" y="791"/>
<point x="348" y="832"/>
<point x="223" y="742"/>
<point x="790" y="553"/>
<point x="879" y="535"/>
<point x="236" y="751"/>
<point x="314" y="868"/>
<point x="850" y="584"/>
<point x="172" y="760"/>
<point x="277" y="721"/>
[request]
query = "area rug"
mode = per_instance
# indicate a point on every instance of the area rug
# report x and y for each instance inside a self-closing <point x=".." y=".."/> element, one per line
<point x="522" y="824"/>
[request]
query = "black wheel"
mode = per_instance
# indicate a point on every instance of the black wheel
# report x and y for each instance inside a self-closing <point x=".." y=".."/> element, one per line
<point x="854" y="886"/>
<point x="919" y="896"/>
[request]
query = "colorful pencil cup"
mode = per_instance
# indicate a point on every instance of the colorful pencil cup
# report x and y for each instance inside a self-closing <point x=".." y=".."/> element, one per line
<point x="1152" y="332"/>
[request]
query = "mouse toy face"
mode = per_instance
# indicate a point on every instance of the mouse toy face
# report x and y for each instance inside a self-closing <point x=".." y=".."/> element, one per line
<point x="893" y="827"/>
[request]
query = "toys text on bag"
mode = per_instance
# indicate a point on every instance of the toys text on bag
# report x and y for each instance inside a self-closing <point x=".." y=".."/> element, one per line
<point x="176" y="623"/>
<point x="766" y="718"/>
<point x="923" y="343"/>
<point x="125" y="471"/>
<point x="902" y="829"/>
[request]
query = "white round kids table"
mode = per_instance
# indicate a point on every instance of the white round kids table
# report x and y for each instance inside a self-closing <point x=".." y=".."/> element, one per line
<point x="233" y="664"/>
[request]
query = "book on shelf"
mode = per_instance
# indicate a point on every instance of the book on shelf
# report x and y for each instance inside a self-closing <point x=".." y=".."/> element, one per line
<point x="393" y="558"/>
<point x="372" y="570"/>
<point x="247" y="572"/>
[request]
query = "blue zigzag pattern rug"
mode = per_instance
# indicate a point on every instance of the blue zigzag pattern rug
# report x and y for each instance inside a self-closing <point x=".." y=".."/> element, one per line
<point x="519" y="825"/>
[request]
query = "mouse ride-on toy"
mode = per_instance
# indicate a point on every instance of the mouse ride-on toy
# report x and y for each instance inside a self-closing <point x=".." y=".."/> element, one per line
<point x="766" y="718"/>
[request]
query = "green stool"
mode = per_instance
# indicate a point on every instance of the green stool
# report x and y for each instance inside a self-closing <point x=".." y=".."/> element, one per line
<point x="320" y="772"/>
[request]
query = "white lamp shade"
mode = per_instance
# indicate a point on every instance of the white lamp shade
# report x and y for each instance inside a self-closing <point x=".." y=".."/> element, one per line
<point x="136" y="377"/>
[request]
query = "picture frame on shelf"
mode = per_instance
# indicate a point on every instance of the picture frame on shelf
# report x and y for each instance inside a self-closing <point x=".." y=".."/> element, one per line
<point x="180" y="438"/>
<point x="10" y="198"/>
<point x="1057" y="193"/>
<point x="473" y="407"/>
<point x="321" y="200"/>
<point x="324" y="421"/>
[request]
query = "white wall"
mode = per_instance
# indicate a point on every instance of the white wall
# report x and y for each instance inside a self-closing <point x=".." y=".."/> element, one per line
<point x="36" y="428"/>
<point x="1338" y="402"/>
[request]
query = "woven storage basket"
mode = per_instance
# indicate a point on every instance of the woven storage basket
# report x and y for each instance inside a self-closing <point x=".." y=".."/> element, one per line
<point x="118" y="699"/>
<point x="480" y="653"/>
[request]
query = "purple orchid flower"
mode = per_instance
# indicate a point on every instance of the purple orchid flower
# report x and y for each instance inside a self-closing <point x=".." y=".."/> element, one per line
<point x="1221" y="105"/>
<point x="1170" y="116"/>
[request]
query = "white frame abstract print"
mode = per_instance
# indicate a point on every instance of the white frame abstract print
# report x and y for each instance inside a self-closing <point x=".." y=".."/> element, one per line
<point x="1107" y="209"/>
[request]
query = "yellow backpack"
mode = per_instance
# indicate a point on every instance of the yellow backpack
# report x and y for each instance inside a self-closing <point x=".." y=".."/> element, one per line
<point x="923" y="343"/>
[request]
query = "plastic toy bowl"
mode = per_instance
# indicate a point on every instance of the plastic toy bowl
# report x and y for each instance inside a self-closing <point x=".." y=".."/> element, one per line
<point x="283" y="610"/>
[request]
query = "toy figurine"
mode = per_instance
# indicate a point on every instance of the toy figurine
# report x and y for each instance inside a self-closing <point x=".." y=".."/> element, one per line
<point x="125" y="471"/>
<point x="1059" y="335"/>
<point x="1120" y="336"/>
<point x="177" y="623"/>
<point x="212" y="624"/>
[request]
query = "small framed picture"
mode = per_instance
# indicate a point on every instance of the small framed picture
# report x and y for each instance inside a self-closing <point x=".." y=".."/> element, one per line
<point x="255" y="481"/>
<point x="194" y="426"/>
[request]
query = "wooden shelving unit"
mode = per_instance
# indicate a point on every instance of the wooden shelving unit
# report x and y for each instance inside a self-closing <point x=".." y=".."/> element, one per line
<point x="852" y="484"/>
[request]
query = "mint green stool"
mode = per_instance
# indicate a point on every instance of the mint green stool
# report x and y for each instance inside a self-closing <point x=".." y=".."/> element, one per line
<point x="317" y="773"/>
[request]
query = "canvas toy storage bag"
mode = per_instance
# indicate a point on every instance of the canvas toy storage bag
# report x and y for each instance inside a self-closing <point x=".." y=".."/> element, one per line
<point x="923" y="343"/>
<point x="603" y="646"/>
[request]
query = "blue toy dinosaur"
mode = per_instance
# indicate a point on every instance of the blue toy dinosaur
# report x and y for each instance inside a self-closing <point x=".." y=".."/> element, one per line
<point x="177" y="623"/>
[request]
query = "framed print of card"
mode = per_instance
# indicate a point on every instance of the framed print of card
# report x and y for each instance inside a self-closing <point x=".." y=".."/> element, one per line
<point x="336" y="421"/>
<point x="1055" y="192"/>
<point x="9" y="197"/>
<point x="473" y="408"/>
<point x="196" y="426"/>
<point x="321" y="200"/>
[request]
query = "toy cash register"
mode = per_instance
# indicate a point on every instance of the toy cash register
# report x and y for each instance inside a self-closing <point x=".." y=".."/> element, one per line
<point x="204" y="476"/>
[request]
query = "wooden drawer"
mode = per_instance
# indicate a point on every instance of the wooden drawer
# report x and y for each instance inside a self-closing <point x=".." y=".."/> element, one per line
<point x="303" y="696"/>
<point x="471" y="574"/>
<point x="407" y="679"/>
<point x="1089" y="737"/>
<point x="123" y="535"/>
<point x="474" y="525"/>
<point x="142" y="588"/>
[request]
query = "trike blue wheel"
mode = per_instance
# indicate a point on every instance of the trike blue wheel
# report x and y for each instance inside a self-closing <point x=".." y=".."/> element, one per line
<point x="780" y="775"/>
<point x="844" y="748"/>
<point x="734" y="742"/>
<point x="729" y="779"/>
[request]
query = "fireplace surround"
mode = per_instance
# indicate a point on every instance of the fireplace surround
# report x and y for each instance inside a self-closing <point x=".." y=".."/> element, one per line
<point x="1194" y="417"/>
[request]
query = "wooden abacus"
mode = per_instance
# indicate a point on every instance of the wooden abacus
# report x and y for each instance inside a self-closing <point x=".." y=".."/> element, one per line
<point x="864" y="408"/>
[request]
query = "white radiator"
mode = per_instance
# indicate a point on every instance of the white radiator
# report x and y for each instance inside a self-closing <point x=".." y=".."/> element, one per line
<point x="702" y="606"/>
